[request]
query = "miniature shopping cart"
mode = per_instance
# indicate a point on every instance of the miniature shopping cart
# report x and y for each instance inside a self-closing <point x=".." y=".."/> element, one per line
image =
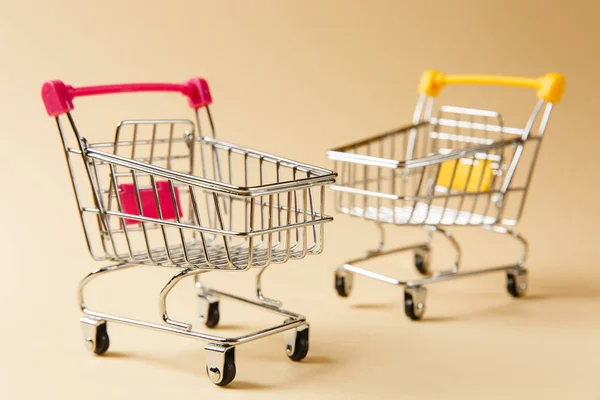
<point x="453" y="166"/>
<point x="147" y="204"/>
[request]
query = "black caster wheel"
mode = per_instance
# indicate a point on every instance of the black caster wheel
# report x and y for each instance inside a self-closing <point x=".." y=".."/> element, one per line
<point x="299" y="349"/>
<point x="95" y="335"/>
<point x="102" y="340"/>
<point x="343" y="283"/>
<point x="222" y="371"/>
<point x="414" y="302"/>
<point x="516" y="282"/>
<point x="211" y="320"/>
<point x="422" y="262"/>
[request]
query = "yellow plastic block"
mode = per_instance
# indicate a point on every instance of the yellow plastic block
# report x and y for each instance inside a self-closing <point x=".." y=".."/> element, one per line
<point x="482" y="171"/>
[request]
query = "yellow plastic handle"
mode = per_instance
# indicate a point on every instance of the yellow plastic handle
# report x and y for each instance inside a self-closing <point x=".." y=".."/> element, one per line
<point x="550" y="87"/>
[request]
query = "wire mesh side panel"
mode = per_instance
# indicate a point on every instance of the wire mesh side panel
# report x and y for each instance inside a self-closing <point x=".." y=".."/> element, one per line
<point x="267" y="217"/>
<point x="125" y="190"/>
<point x="453" y="175"/>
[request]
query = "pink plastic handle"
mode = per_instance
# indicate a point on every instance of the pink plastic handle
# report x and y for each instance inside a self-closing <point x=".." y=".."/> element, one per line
<point x="58" y="97"/>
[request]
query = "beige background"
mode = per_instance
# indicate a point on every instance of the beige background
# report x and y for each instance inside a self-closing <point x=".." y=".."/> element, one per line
<point x="296" y="78"/>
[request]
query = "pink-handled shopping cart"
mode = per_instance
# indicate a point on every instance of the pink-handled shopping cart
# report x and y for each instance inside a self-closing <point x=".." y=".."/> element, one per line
<point x="164" y="194"/>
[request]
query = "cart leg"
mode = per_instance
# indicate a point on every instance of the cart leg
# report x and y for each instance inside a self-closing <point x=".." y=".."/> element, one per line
<point x="220" y="363"/>
<point x="93" y="275"/>
<point x="436" y="229"/>
<point x="296" y="342"/>
<point x="344" y="278"/>
<point x="94" y="330"/>
<point x="162" y="303"/>
<point x="516" y="235"/>
<point x="381" y="243"/>
<point x="516" y="278"/>
<point x="260" y="293"/>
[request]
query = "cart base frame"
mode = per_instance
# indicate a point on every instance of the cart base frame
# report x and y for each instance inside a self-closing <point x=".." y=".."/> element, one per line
<point x="220" y="351"/>
<point x="415" y="292"/>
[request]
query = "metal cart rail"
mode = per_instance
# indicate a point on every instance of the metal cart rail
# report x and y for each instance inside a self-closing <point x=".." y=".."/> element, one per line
<point x="453" y="166"/>
<point x="144" y="203"/>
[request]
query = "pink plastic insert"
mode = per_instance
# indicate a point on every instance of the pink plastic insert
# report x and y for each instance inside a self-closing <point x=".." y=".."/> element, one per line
<point x="129" y="201"/>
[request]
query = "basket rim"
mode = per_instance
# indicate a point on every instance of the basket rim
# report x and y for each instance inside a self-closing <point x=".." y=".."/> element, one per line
<point x="324" y="176"/>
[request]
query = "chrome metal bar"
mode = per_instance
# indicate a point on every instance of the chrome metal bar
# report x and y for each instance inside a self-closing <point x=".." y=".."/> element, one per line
<point x="260" y="293"/>
<point x="253" y="153"/>
<point x="381" y="253"/>
<point x="289" y="324"/>
<point x="441" y="277"/>
<point x="115" y="185"/>
<point x="162" y="303"/>
<point x="514" y="234"/>
<point x="451" y="239"/>
<point x="211" y="185"/>
<point x="209" y="230"/>
<point x="371" y="274"/>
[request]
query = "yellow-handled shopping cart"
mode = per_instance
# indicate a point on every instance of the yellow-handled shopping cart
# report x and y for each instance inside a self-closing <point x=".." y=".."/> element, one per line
<point x="453" y="166"/>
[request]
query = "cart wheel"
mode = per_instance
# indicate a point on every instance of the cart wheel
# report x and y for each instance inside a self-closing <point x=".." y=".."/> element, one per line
<point x="102" y="340"/>
<point x="422" y="260"/>
<point x="221" y="368"/>
<point x="343" y="283"/>
<point x="212" y="316"/>
<point x="414" y="302"/>
<point x="299" y="349"/>
<point x="95" y="334"/>
<point x="516" y="282"/>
